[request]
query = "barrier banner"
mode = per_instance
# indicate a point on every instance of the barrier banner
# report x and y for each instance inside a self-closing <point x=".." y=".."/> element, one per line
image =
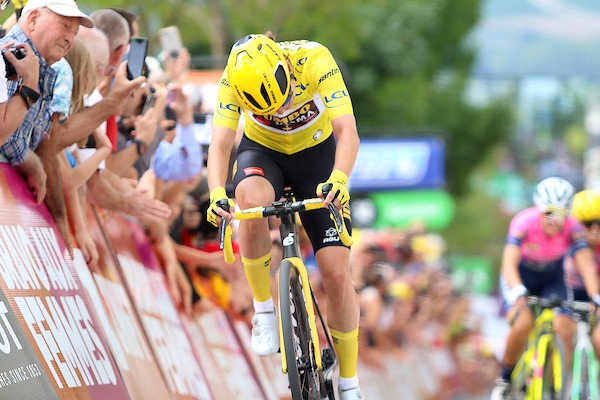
<point x="214" y="375"/>
<point x="229" y="356"/>
<point x="22" y="376"/>
<point x="150" y="295"/>
<point x="126" y="338"/>
<point x="53" y="310"/>
<point x="268" y="369"/>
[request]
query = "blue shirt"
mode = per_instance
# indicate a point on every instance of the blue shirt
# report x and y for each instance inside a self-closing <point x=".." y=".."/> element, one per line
<point x="180" y="160"/>
<point x="63" y="88"/>
<point x="38" y="118"/>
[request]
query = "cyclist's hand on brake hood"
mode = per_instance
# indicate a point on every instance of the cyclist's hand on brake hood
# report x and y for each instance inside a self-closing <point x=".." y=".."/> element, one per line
<point x="216" y="195"/>
<point x="339" y="181"/>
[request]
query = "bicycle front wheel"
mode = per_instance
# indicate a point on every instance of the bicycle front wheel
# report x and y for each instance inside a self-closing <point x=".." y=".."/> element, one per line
<point x="551" y="353"/>
<point x="303" y="374"/>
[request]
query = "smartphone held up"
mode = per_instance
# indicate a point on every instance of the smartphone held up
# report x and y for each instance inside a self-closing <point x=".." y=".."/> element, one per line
<point x="136" y="59"/>
<point x="170" y="41"/>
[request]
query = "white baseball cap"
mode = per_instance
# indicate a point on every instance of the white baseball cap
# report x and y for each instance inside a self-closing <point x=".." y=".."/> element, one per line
<point x="66" y="8"/>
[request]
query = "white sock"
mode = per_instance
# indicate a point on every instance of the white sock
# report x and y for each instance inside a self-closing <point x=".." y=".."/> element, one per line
<point x="348" y="383"/>
<point x="264" y="306"/>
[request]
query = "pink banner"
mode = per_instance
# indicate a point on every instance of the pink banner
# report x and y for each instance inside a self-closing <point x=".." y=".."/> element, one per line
<point x="54" y="311"/>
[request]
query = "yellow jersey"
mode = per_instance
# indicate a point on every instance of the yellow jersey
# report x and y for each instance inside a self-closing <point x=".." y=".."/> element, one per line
<point x="320" y="96"/>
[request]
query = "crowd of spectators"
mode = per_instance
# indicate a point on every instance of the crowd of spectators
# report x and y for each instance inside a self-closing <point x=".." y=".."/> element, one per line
<point x="82" y="134"/>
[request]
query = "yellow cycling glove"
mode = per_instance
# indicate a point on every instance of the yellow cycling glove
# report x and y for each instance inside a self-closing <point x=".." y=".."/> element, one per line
<point x="216" y="195"/>
<point x="339" y="182"/>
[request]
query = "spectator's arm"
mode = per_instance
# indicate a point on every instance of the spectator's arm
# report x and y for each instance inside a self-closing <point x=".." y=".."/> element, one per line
<point x="54" y="199"/>
<point x="179" y="285"/>
<point x="145" y="129"/>
<point x="77" y="219"/>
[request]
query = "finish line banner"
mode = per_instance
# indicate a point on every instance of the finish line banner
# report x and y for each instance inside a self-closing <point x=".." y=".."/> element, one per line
<point x="56" y="320"/>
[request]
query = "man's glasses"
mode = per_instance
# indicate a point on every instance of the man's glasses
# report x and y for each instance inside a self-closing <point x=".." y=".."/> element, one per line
<point x="589" y="224"/>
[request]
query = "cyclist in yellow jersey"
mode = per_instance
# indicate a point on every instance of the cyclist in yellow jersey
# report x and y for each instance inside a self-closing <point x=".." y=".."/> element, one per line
<point x="299" y="131"/>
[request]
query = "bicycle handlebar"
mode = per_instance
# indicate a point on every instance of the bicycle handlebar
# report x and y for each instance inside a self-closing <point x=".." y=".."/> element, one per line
<point x="278" y="208"/>
<point x="573" y="305"/>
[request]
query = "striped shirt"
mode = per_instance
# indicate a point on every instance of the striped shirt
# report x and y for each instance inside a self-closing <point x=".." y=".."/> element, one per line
<point x="37" y="121"/>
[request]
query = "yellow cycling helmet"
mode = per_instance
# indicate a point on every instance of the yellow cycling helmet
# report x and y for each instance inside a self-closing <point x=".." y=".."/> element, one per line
<point x="586" y="205"/>
<point x="258" y="74"/>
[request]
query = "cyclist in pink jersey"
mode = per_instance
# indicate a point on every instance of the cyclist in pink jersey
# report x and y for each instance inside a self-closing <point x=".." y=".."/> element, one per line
<point x="537" y="242"/>
<point x="586" y="209"/>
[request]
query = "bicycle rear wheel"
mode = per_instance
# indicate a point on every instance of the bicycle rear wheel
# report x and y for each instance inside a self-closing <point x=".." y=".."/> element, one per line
<point x="303" y="374"/>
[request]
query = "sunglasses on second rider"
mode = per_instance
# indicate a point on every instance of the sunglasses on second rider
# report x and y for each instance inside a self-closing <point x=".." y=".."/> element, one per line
<point x="589" y="224"/>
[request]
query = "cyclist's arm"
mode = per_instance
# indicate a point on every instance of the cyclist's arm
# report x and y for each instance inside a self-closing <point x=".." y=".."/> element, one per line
<point x="511" y="256"/>
<point x="219" y="151"/>
<point x="225" y="121"/>
<point x="586" y="266"/>
<point x="348" y="141"/>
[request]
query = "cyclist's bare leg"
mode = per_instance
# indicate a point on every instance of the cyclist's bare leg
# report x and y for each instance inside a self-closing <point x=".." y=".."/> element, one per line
<point x="254" y="236"/>
<point x="517" y="336"/>
<point x="596" y="341"/>
<point x="566" y="328"/>
<point x="342" y="308"/>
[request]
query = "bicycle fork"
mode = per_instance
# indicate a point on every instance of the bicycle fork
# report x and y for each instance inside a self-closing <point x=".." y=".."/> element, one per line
<point x="303" y="275"/>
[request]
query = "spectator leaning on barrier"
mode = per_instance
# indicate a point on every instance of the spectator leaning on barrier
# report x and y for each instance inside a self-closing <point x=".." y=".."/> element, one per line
<point x="105" y="188"/>
<point x="75" y="171"/>
<point x="49" y="28"/>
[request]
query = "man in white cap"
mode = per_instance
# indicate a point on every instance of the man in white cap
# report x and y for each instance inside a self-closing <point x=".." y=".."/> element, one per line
<point x="49" y="28"/>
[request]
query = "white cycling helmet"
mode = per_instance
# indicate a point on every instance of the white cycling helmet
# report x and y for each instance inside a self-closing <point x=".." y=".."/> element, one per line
<point x="552" y="194"/>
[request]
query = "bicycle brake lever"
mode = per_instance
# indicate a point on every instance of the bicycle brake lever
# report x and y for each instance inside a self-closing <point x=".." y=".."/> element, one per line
<point x="224" y="204"/>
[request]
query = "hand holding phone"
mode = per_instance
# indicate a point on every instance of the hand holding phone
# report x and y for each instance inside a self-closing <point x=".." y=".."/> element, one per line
<point x="170" y="41"/>
<point x="150" y="100"/>
<point x="136" y="58"/>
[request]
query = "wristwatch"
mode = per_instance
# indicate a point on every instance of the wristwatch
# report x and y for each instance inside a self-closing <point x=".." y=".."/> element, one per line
<point x="28" y="94"/>
<point x="140" y="145"/>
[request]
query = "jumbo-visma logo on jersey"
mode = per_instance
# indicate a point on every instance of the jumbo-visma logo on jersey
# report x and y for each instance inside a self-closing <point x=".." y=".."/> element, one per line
<point x="294" y="120"/>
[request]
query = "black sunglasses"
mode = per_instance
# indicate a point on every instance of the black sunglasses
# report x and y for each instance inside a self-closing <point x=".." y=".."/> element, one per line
<point x="589" y="224"/>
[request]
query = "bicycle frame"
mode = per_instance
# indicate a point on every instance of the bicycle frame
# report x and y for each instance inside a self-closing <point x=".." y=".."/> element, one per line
<point x="585" y="363"/>
<point x="529" y="371"/>
<point x="302" y="384"/>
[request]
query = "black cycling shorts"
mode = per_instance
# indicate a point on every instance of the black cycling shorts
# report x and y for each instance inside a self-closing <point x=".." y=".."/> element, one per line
<point x="301" y="171"/>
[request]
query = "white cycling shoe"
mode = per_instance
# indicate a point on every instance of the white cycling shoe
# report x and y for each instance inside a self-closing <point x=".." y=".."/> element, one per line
<point x="501" y="391"/>
<point x="265" y="334"/>
<point x="351" y="394"/>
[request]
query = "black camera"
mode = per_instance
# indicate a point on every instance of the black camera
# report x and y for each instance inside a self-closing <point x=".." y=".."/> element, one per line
<point x="10" y="69"/>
